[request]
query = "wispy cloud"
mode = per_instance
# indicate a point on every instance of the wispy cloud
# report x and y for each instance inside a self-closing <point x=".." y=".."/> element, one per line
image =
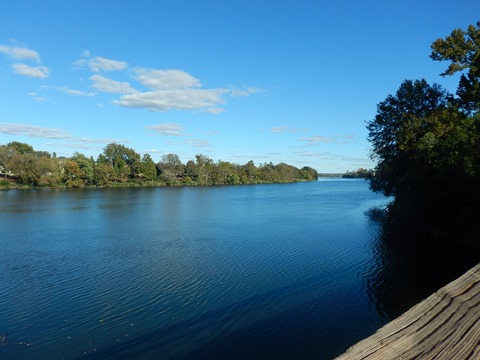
<point x="259" y="157"/>
<point x="74" y="145"/>
<point x="336" y="139"/>
<point x="199" y="143"/>
<point x="36" y="97"/>
<point x="70" y="91"/>
<point x="33" y="131"/>
<point x="101" y="141"/>
<point x="286" y="129"/>
<point x="319" y="155"/>
<point x="155" y="151"/>
<point x="20" y="53"/>
<point x="175" y="99"/>
<point x="168" y="130"/>
<point x="39" y="72"/>
<point x="327" y="156"/>
<point x="168" y="90"/>
<point x="99" y="64"/>
<point x="244" y="92"/>
<point x="166" y="79"/>
<point x="214" y="110"/>
<point x="103" y="84"/>
<point x="53" y="134"/>
<point x="172" y="90"/>
<point x="161" y="90"/>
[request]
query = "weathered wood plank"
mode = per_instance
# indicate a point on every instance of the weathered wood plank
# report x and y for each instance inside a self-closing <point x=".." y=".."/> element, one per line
<point x="446" y="325"/>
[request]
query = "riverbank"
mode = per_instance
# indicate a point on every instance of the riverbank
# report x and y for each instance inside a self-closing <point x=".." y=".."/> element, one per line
<point x="443" y="326"/>
<point x="10" y="185"/>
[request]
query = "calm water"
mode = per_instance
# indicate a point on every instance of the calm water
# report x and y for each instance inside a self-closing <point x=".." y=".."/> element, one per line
<point x="297" y="271"/>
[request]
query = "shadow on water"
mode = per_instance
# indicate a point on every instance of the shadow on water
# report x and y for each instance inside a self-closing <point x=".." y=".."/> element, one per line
<point x="410" y="264"/>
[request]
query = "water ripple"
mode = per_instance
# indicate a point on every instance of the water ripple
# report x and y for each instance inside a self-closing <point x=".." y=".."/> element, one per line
<point x="228" y="272"/>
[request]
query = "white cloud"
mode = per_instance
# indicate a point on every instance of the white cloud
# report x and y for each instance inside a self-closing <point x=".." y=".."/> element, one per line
<point x="155" y="151"/>
<point x="25" y="54"/>
<point x="167" y="89"/>
<point x="327" y="156"/>
<point x="244" y="92"/>
<point x="166" y="79"/>
<point x="33" y="131"/>
<point x="179" y="99"/>
<point x="176" y="90"/>
<point x="73" y="145"/>
<point x="102" y="64"/>
<point x="19" y="53"/>
<point x="101" y="141"/>
<point x="107" y="85"/>
<point x="208" y="133"/>
<point x="286" y="129"/>
<point x="36" y="97"/>
<point x="214" y="110"/>
<point x="198" y="143"/>
<point x="39" y="72"/>
<point x="98" y="63"/>
<point x="319" y="155"/>
<point x="336" y="139"/>
<point x="70" y="91"/>
<point x="168" y="130"/>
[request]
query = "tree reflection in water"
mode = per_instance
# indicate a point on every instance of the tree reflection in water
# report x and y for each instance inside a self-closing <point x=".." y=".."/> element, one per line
<point x="409" y="265"/>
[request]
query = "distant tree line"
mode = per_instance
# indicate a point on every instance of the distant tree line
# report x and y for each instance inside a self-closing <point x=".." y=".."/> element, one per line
<point x="360" y="173"/>
<point x="427" y="144"/>
<point x="117" y="165"/>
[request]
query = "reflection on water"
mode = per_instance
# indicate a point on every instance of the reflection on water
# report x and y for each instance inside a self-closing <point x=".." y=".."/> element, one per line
<point x="239" y="272"/>
<point x="408" y="265"/>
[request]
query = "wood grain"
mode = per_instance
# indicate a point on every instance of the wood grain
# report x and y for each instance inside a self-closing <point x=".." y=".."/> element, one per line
<point x="446" y="325"/>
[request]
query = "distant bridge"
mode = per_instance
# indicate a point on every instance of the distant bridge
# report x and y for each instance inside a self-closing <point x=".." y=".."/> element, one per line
<point x="330" y="175"/>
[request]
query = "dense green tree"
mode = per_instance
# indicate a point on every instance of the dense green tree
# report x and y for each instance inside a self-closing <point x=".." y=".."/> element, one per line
<point x="6" y="154"/>
<point x="399" y="123"/>
<point x="191" y="172"/>
<point x="87" y="166"/>
<point x="52" y="172"/>
<point x="424" y="147"/>
<point x="20" y="147"/>
<point x="462" y="50"/>
<point x="73" y="174"/>
<point x="286" y="173"/>
<point x="225" y="173"/>
<point x="250" y="172"/>
<point x="103" y="173"/>
<point x="118" y="163"/>
<point x="204" y="166"/>
<point x="267" y="172"/>
<point x="426" y="143"/>
<point x="34" y="168"/>
<point x="308" y="173"/>
<point x="170" y="169"/>
<point x="125" y="161"/>
<point x="148" y="169"/>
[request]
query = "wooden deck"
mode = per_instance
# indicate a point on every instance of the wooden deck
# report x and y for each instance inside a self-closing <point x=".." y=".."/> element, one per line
<point x="446" y="325"/>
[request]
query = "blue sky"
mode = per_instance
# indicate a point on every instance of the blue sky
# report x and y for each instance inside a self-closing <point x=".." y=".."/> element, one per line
<point x="268" y="81"/>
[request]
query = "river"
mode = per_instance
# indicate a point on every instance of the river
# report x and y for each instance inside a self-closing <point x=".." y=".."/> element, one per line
<point x="284" y="271"/>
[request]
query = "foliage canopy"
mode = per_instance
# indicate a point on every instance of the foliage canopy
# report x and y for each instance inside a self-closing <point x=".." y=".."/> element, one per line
<point x="426" y="143"/>
<point x="118" y="164"/>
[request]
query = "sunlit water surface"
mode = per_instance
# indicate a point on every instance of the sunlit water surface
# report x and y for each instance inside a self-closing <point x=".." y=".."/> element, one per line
<point x="297" y="271"/>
